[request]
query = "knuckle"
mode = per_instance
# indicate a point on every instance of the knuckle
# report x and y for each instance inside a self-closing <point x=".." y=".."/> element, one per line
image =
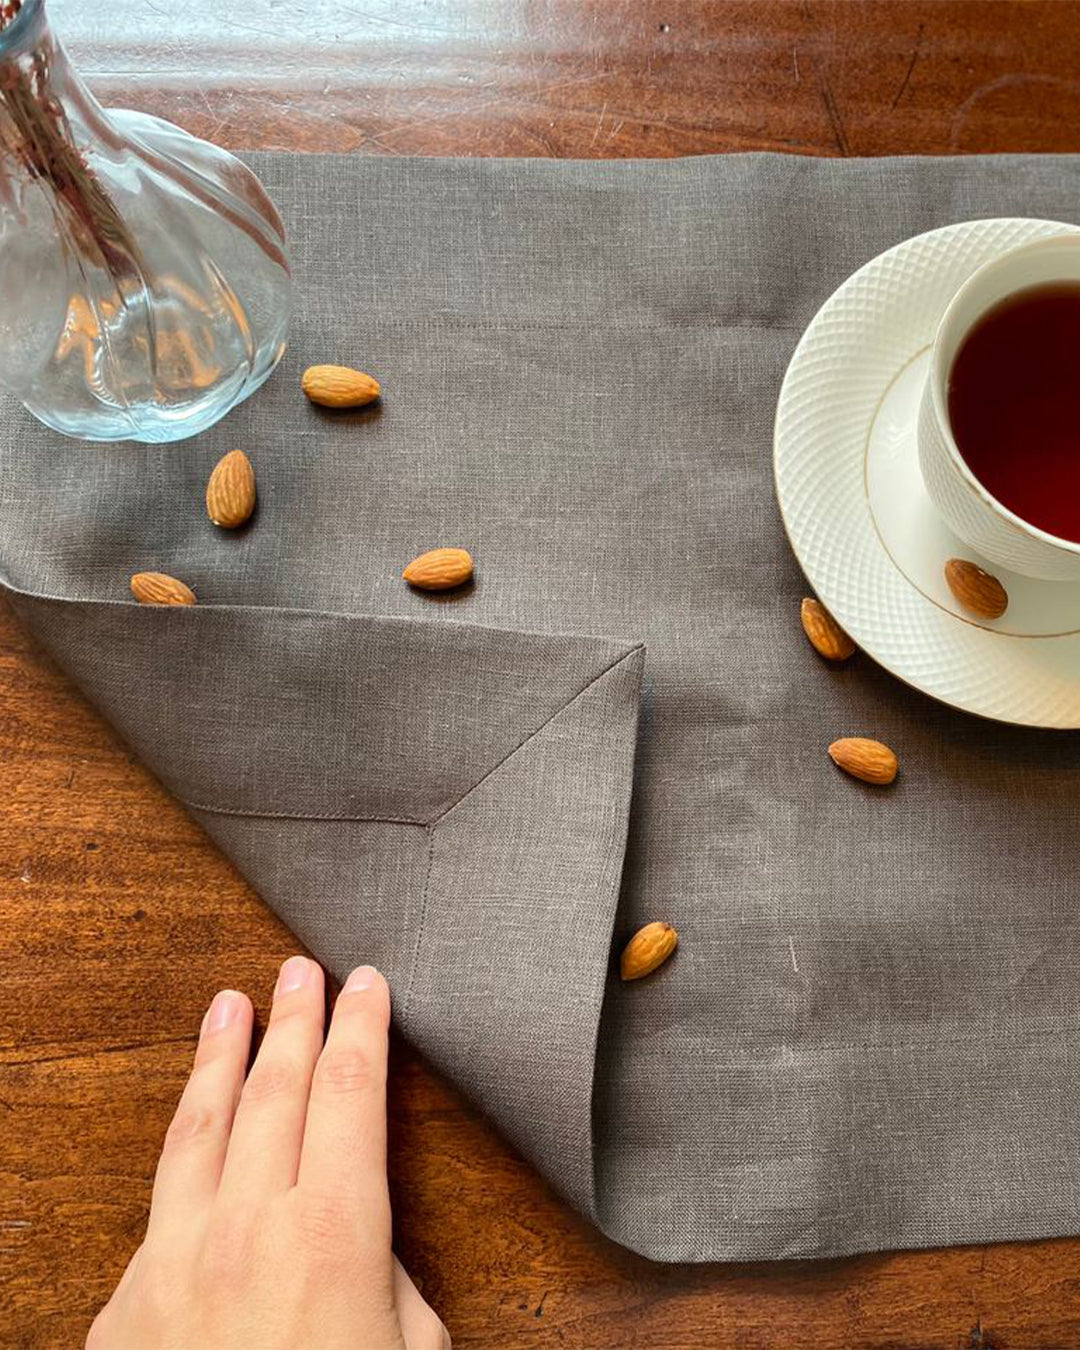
<point x="296" y="1007"/>
<point x="347" y="1072"/>
<point x="191" y="1124"/>
<point x="323" y="1222"/>
<point x="271" y="1080"/>
<point x="210" y="1050"/>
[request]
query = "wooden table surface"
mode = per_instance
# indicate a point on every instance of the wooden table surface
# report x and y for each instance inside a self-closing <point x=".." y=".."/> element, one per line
<point x="118" y="920"/>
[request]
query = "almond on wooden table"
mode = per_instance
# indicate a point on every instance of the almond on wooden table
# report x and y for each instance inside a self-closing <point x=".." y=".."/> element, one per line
<point x="440" y="569"/>
<point x="865" y="759"/>
<point x="976" y="589"/>
<point x="158" y="588"/>
<point x="649" y="948"/>
<point x="826" y="636"/>
<point x="230" y="493"/>
<point x="339" y="386"/>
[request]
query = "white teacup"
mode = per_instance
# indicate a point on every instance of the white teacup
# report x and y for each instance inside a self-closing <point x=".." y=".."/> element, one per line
<point x="967" y="507"/>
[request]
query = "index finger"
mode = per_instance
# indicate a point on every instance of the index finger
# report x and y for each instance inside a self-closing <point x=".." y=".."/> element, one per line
<point x="344" y="1149"/>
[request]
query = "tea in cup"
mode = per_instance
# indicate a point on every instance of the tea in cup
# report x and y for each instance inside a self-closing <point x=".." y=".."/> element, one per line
<point x="999" y="422"/>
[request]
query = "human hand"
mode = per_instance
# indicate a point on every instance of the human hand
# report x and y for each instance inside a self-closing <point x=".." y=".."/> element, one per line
<point x="270" y="1220"/>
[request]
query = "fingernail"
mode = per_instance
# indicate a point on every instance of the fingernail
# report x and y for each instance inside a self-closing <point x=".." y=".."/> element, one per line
<point x="295" y="973"/>
<point x="224" y="1011"/>
<point x="363" y="977"/>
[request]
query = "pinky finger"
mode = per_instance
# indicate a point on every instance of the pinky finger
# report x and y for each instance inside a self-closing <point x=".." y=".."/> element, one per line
<point x="191" y="1160"/>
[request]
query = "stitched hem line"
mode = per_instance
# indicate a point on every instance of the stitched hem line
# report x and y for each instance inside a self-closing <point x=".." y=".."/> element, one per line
<point x="806" y="1051"/>
<point x="436" y="323"/>
<point x="296" y="815"/>
<point x="421" y="919"/>
<point x="638" y="647"/>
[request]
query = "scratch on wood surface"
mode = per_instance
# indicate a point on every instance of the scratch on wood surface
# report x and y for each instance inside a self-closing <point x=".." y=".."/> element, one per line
<point x="911" y="65"/>
<point x="599" y="124"/>
<point x="833" y="112"/>
<point x="795" y="62"/>
<point x="991" y="87"/>
<point x="542" y="92"/>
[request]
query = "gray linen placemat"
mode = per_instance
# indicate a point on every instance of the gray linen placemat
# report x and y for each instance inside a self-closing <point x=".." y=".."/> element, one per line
<point x="868" y="1037"/>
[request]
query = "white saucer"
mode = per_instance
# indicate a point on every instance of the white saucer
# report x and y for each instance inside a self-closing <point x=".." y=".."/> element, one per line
<point x="856" y="511"/>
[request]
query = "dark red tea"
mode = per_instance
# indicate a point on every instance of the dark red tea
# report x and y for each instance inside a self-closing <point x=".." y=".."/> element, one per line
<point x="1014" y="405"/>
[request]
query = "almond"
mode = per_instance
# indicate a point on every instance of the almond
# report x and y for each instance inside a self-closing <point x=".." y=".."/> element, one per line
<point x="339" y="386"/>
<point x="155" y="588"/>
<point x="648" y="948"/>
<point x="862" y="758"/>
<point x="826" y="636"/>
<point x="230" y="493"/>
<point x="975" y="589"/>
<point x="441" y="569"/>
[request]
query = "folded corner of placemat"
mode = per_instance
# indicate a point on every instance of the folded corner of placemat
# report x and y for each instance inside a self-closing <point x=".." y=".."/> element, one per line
<point x="448" y="801"/>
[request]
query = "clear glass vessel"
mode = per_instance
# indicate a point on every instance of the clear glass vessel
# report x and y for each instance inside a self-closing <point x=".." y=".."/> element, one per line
<point x="144" y="278"/>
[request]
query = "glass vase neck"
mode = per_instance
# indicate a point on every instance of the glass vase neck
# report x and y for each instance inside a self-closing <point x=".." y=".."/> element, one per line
<point x="21" y="23"/>
<point x="33" y="62"/>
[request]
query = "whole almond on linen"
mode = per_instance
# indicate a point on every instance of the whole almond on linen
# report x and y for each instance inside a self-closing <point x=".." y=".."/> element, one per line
<point x="440" y="569"/>
<point x="866" y="759"/>
<point x="826" y="636"/>
<point x="649" y="948"/>
<point x="230" y="493"/>
<point x="975" y="589"/>
<point x="158" y="588"/>
<point x="339" y="386"/>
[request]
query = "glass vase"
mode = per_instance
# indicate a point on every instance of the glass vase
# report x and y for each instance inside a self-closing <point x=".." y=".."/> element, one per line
<point x="144" y="278"/>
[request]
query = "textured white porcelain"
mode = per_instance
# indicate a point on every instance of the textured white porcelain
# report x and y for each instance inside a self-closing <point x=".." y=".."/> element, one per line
<point x="968" y="508"/>
<point x="857" y="511"/>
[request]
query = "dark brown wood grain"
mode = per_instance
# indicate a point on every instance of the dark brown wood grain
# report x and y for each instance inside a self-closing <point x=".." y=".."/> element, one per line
<point x="118" y="920"/>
